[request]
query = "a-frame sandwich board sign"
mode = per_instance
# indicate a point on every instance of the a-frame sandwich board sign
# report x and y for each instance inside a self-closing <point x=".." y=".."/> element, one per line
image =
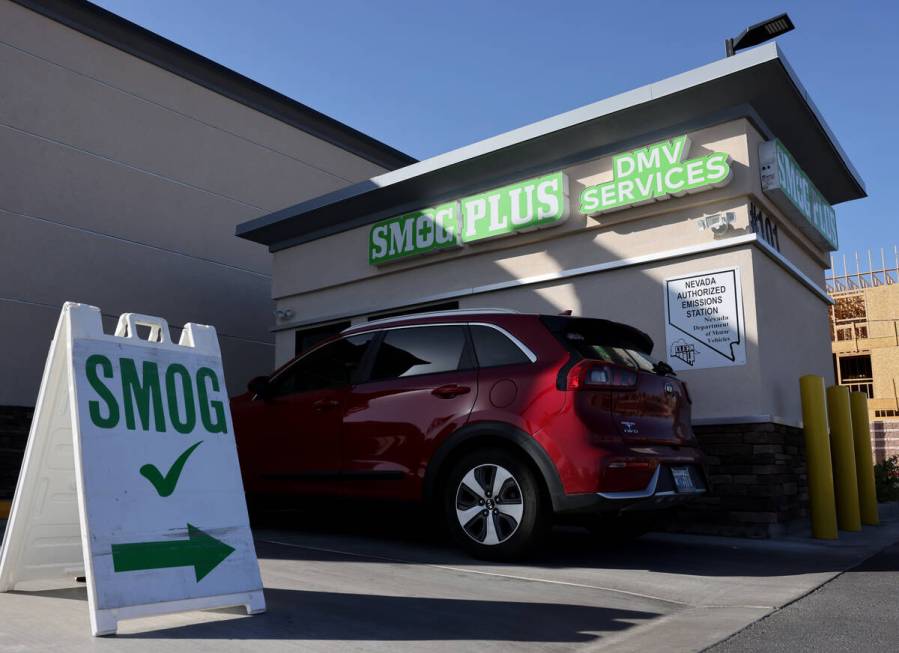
<point x="131" y="475"/>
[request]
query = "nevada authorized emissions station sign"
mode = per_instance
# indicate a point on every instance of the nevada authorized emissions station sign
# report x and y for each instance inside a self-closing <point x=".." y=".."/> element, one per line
<point x="131" y="475"/>
<point x="704" y="320"/>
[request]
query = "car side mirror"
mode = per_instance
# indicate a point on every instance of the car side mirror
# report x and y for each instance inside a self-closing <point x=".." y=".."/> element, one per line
<point x="259" y="386"/>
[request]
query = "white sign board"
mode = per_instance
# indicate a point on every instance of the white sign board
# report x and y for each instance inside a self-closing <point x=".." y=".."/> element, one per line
<point x="704" y="320"/>
<point x="131" y="475"/>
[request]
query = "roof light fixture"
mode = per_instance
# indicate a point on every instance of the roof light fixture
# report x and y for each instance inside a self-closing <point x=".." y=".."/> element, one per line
<point x="759" y="33"/>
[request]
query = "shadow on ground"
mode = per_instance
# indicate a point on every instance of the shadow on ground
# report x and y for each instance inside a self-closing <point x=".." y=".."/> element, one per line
<point x="407" y="533"/>
<point x="306" y="615"/>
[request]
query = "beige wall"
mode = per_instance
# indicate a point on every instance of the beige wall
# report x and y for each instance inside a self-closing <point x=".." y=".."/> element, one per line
<point x="882" y="344"/>
<point x="615" y="234"/>
<point x="121" y="185"/>
<point x="793" y="329"/>
<point x="882" y="308"/>
<point x="781" y="313"/>
<point x="885" y="372"/>
<point x="882" y="311"/>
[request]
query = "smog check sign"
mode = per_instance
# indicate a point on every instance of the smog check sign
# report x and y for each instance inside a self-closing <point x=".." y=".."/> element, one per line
<point x="648" y="174"/>
<point x="704" y="325"/>
<point x="524" y="206"/>
<point x="143" y="430"/>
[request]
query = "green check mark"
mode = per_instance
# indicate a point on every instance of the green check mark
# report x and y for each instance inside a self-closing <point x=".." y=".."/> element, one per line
<point x="165" y="485"/>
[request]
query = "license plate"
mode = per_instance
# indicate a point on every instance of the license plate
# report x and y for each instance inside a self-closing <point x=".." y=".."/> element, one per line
<point x="682" y="479"/>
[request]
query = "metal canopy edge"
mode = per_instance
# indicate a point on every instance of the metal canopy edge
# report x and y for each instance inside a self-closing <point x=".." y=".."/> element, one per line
<point x="759" y="78"/>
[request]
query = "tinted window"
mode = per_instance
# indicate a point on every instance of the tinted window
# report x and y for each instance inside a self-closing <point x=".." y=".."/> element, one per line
<point x="420" y="350"/>
<point x="610" y="354"/>
<point x="334" y="365"/>
<point x="493" y="348"/>
<point x="306" y="339"/>
<point x="606" y="341"/>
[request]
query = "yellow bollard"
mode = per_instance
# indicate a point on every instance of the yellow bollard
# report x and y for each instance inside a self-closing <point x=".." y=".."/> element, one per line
<point x="817" y="455"/>
<point x="842" y="451"/>
<point x="864" y="458"/>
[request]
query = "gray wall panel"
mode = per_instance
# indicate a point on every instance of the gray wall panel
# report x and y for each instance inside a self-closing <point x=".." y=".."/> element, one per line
<point x="46" y="99"/>
<point x="57" y="183"/>
<point x="32" y="326"/>
<point x="120" y="186"/>
<point x="43" y="37"/>
<point x="49" y="264"/>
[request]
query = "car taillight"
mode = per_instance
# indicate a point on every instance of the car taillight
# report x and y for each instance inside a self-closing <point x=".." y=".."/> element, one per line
<point x="591" y="374"/>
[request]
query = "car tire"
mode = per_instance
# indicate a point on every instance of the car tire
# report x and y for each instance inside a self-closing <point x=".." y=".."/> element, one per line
<point x="494" y="506"/>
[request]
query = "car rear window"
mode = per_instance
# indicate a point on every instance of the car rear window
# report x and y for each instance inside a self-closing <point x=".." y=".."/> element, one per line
<point x="609" y="354"/>
<point x="493" y="348"/>
<point x="605" y="341"/>
<point x="413" y="351"/>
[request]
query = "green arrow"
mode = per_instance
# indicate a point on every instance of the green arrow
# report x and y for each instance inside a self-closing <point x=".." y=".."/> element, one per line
<point x="200" y="551"/>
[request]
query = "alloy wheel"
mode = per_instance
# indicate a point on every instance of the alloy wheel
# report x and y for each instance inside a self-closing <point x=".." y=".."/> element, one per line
<point x="489" y="504"/>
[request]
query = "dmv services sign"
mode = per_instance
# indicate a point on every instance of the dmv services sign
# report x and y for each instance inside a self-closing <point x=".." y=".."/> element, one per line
<point x="532" y="204"/>
<point x="794" y="193"/>
<point x="131" y="475"/>
<point x="654" y="173"/>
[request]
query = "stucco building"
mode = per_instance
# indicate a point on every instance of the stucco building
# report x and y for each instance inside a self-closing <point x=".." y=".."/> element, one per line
<point x="698" y="209"/>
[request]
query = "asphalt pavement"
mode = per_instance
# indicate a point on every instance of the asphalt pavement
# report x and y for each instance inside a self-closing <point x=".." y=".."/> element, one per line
<point x="378" y="581"/>
<point x="856" y="611"/>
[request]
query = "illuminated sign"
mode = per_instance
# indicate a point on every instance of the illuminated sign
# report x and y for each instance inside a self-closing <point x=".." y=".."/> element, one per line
<point x="655" y="173"/>
<point x="523" y="206"/>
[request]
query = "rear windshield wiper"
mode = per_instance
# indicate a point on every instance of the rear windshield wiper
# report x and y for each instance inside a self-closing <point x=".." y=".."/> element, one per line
<point x="663" y="368"/>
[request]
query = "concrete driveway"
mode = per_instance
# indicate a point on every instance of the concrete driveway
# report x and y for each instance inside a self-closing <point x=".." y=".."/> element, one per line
<point x="375" y="582"/>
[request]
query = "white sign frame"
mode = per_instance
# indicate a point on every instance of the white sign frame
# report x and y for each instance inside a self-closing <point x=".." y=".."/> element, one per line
<point x="678" y="334"/>
<point x="61" y="527"/>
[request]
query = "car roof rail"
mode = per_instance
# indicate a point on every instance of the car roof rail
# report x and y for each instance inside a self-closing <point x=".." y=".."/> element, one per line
<point x="448" y="313"/>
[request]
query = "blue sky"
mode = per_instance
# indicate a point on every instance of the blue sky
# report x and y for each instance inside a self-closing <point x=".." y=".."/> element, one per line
<point x="427" y="77"/>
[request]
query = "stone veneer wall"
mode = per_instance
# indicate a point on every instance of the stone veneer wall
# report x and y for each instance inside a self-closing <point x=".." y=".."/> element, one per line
<point x="757" y="479"/>
<point x="14" y="424"/>
<point x="885" y="439"/>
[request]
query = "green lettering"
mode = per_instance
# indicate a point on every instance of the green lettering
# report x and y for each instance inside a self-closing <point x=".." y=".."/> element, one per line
<point x="142" y="394"/>
<point x="655" y="172"/>
<point x="112" y="408"/>
<point x="190" y="411"/>
<point x="219" y="425"/>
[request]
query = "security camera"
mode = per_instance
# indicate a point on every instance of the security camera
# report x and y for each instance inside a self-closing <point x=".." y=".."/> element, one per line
<point x="283" y="313"/>
<point x="719" y="223"/>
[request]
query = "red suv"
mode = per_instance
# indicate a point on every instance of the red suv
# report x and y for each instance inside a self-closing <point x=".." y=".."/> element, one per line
<point x="499" y="419"/>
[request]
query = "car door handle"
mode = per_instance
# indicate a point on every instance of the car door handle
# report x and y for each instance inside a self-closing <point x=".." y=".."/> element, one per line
<point x="450" y="391"/>
<point x="322" y="405"/>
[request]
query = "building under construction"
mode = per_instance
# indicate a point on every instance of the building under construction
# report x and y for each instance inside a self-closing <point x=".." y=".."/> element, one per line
<point x="864" y="330"/>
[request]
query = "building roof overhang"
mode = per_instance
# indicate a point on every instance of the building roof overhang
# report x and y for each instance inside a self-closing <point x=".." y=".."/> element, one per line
<point x="757" y="84"/>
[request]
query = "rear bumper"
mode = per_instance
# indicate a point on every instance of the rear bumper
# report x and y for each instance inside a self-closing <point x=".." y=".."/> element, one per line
<point x="660" y="493"/>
